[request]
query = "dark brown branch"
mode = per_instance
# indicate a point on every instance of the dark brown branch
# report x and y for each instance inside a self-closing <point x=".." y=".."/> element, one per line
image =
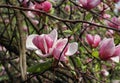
<point x="57" y="18"/>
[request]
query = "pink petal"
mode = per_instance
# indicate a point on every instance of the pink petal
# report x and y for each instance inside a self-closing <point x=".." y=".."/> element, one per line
<point x="46" y="6"/>
<point x="56" y="54"/>
<point x="89" y="39"/>
<point x="49" y="41"/>
<point x="115" y="59"/>
<point x="31" y="5"/>
<point x="39" y="52"/>
<point x="97" y="39"/>
<point x="45" y="46"/>
<point x="30" y="14"/>
<point x="40" y="42"/>
<point x="35" y="22"/>
<point x="117" y="51"/>
<point x="72" y="49"/>
<point x="94" y="3"/>
<point x="114" y="23"/>
<point x="83" y="2"/>
<point x="107" y="49"/>
<point x="54" y="35"/>
<point x="61" y="43"/>
<point x="29" y="43"/>
<point x="39" y="6"/>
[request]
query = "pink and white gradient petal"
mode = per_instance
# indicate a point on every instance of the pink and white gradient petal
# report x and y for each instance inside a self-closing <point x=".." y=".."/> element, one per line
<point x="72" y="49"/>
<point x="107" y="49"/>
<point x="29" y="43"/>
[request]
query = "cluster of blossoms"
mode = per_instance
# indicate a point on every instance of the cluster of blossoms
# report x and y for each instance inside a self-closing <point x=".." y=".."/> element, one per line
<point x="47" y="45"/>
<point x="44" y="5"/>
<point x="115" y="23"/>
<point x="107" y="48"/>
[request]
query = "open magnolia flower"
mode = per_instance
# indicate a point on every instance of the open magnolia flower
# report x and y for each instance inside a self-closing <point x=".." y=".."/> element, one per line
<point x="89" y="4"/>
<point x="108" y="50"/>
<point x="43" y="44"/>
<point x="64" y="48"/>
<point x="48" y="45"/>
<point x="93" y="41"/>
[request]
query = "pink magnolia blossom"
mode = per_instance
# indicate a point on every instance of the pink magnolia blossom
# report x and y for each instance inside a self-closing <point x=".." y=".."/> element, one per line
<point x="89" y="4"/>
<point x="43" y="44"/>
<point x="93" y="41"/>
<point x="67" y="8"/>
<point x="45" y="6"/>
<point x="114" y="23"/>
<point x="69" y="50"/>
<point x="108" y="50"/>
<point x="47" y="45"/>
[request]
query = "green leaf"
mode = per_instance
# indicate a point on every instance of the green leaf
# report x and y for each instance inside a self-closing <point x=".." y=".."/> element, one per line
<point x="68" y="32"/>
<point x="40" y="67"/>
<point x="95" y="54"/>
<point x="78" y="62"/>
<point x="76" y="28"/>
<point x="3" y="78"/>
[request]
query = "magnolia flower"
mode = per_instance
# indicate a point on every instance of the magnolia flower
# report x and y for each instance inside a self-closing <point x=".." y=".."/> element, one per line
<point x="47" y="45"/>
<point x="43" y="44"/>
<point x="45" y="6"/>
<point x="115" y="23"/>
<point x="67" y="8"/>
<point x="108" y="50"/>
<point x="69" y="50"/>
<point x="89" y="4"/>
<point x="93" y="41"/>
